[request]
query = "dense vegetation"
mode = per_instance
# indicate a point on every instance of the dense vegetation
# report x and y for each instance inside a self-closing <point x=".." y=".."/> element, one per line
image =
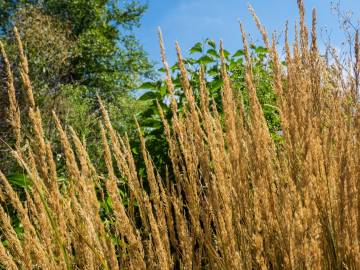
<point x="77" y="50"/>
<point x="205" y="58"/>
<point x="242" y="161"/>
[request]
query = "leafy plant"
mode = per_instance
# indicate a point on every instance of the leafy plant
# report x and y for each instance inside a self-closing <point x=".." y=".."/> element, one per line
<point x="77" y="50"/>
<point x="206" y="55"/>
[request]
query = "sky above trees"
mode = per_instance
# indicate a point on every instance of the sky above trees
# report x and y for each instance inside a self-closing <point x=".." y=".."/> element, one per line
<point x="190" y="21"/>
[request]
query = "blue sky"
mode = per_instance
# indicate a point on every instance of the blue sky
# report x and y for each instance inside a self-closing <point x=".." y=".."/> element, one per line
<point x="190" y="21"/>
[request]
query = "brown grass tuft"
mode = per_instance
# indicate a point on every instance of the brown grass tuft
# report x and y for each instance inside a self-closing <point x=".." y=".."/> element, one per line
<point x="235" y="198"/>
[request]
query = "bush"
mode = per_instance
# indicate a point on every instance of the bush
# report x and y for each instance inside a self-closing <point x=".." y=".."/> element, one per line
<point x="205" y="58"/>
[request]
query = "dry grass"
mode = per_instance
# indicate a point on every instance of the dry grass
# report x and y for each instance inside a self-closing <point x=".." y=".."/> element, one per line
<point x="235" y="201"/>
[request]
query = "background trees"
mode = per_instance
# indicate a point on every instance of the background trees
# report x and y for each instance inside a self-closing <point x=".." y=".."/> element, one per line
<point x="77" y="50"/>
<point x="80" y="49"/>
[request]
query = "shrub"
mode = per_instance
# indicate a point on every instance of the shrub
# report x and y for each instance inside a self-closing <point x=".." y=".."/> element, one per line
<point x="205" y="57"/>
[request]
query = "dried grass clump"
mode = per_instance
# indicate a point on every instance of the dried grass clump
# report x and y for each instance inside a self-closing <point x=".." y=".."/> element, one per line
<point x="235" y="200"/>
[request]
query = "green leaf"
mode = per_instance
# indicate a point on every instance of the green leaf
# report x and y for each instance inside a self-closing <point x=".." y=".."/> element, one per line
<point x="213" y="72"/>
<point x="152" y="123"/>
<point x="148" y="113"/>
<point x="271" y="106"/>
<point x="226" y="53"/>
<point x="163" y="90"/>
<point x="233" y="65"/>
<point x="212" y="52"/>
<point x="238" y="53"/>
<point x="211" y="43"/>
<point x="216" y="84"/>
<point x="205" y="60"/>
<point x="189" y="61"/>
<point x="197" y="48"/>
<point x="175" y="67"/>
<point x="19" y="180"/>
<point x="149" y="85"/>
<point x="177" y="82"/>
<point x="261" y="50"/>
<point x="148" y="96"/>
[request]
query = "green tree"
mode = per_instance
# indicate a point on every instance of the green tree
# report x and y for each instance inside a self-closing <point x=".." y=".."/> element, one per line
<point x="78" y="49"/>
<point x="103" y="56"/>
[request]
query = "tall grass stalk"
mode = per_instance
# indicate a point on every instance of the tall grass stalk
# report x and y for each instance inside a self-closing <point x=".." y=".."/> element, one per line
<point x="235" y="199"/>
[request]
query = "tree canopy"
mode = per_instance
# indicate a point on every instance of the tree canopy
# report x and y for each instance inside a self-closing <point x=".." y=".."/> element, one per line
<point x="91" y="42"/>
<point x="78" y="49"/>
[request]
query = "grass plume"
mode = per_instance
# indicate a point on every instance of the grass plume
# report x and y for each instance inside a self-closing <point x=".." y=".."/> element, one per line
<point x="235" y="200"/>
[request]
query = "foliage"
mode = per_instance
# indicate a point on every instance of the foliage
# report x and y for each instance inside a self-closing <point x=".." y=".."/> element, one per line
<point x="78" y="50"/>
<point x="86" y="43"/>
<point x="207" y="56"/>
<point x="234" y="199"/>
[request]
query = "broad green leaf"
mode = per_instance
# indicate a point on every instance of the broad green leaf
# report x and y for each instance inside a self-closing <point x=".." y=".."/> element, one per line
<point x="175" y="67"/>
<point x="261" y="50"/>
<point x="216" y="84"/>
<point x="238" y="53"/>
<point x="163" y="90"/>
<point x="211" y="43"/>
<point x="205" y="60"/>
<point x="148" y="85"/>
<point x="190" y="61"/>
<point x="19" y="180"/>
<point x="213" y="72"/>
<point x="226" y="53"/>
<point x="212" y="52"/>
<point x="148" y="113"/>
<point x="148" y="96"/>
<point x="233" y="65"/>
<point x="197" y="48"/>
